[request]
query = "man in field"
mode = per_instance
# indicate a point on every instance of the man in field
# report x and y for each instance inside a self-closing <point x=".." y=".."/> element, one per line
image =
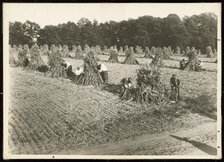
<point x="175" y="88"/>
<point x="199" y="66"/>
<point x="103" y="72"/>
<point x="126" y="85"/>
<point x="68" y="69"/>
<point x="78" y="72"/>
<point x="65" y="64"/>
<point x="182" y="64"/>
<point x="69" y="72"/>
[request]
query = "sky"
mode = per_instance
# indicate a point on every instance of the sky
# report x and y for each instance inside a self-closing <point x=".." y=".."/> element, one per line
<point x="54" y="14"/>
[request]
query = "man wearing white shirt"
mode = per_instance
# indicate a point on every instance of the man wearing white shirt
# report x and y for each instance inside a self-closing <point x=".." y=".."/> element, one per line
<point x="103" y="72"/>
<point x="78" y="72"/>
<point x="68" y="68"/>
<point x="102" y="68"/>
<point x="65" y="64"/>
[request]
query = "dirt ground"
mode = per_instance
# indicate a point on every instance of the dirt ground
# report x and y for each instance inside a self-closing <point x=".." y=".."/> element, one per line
<point x="55" y="116"/>
<point x="186" y="141"/>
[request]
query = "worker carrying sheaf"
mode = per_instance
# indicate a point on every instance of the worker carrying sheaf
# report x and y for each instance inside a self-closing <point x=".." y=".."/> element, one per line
<point x="175" y="88"/>
<point x="103" y="72"/>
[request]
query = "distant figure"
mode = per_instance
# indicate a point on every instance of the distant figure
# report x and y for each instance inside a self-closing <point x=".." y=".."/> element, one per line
<point x="199" y="66"/>
<point x="126" y="85"/>
<point x="69" y="72"/>
<point x="200" y="63"/>
<point x="78" y="72"/>
<point x="68" y="69"/>
<point x="65" y="64"/>
<point x="103" y="72"/>
<point x="28" y="57"/>
<point x="175" y="87"/>
<point x="182" y="64"/>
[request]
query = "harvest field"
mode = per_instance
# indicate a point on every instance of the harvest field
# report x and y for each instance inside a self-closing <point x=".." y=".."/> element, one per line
<point x="56" y="116"/>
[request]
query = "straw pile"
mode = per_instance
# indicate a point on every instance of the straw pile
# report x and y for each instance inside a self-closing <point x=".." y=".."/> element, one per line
<point x="149" y="88"/>
<point x="148" y="53"/>
<point x="113" y="57"/>
<point x="91" y="75"/>
<point x="130" y="58"/>
<point x="35" y="59"/>
<point x="55" y="62"/>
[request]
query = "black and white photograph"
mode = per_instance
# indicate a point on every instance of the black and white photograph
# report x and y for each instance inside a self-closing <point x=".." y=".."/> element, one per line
<point x="112" y="81"/>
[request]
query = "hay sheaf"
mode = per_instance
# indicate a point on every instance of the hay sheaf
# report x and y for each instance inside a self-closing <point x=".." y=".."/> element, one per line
<point x="35" y="59"/>
<point x="113" y="57"/>
<point x="54" y="61"/>
<point x="91" y="76"/>
<point x="130" y="58"/>
<point x="148" y="53"/>
<point x="157" y="61"/>
<point x="21" y="60"/>
<point x="149" y="88"/>
<point x="192" y="64"/>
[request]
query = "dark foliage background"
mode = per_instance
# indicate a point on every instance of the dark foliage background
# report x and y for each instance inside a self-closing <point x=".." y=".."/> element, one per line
<point x="199" y="31"/>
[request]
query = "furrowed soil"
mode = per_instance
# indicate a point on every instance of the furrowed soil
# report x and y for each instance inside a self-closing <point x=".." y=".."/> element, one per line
<point x="56" y="116"/>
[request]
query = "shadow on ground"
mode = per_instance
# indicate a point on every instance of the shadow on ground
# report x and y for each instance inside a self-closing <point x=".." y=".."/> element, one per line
<point x="199" y="145"/>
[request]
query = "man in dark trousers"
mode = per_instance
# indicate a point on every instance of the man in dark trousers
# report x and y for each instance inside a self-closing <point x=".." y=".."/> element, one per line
<point x="103" y="72"/>
<point x="126" y="85"/>
<point x="175" y="87"/>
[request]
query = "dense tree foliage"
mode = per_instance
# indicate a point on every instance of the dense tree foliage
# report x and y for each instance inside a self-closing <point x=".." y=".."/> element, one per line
<point x="199" y="31"/>
<point x="17" y="35"/>
<point x="50" y="35"/>
<point x="174" y="32"/>
<point x="202" y="30"/>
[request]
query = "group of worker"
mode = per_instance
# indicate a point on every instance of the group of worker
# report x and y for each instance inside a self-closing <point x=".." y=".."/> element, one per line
<point x="174" y="83"/>
<point x="102" y="69"/>
<point x="127" y="83"/>
<point x="183" y="64"/>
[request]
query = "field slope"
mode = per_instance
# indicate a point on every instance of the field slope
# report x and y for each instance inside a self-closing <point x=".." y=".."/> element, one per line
<point x="50" y="116"/>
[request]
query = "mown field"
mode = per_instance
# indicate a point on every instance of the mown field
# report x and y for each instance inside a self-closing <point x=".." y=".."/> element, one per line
<point x="193" y="83"/>
<point x="49" y="115"/>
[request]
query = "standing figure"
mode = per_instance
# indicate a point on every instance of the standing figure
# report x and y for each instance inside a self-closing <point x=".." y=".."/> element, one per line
<point x="78" y="72"/>
<point x="126" y="85"/>
<point x="175" y="88"/>
<point x="68" y="69"/>
<point x="103" y="72"/>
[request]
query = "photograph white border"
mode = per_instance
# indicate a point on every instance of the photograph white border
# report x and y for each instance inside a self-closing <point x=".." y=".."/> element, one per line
<point x="7" y="155"/>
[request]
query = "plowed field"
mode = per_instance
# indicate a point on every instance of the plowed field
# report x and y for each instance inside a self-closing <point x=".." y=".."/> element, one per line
<point x="50" y="116"/>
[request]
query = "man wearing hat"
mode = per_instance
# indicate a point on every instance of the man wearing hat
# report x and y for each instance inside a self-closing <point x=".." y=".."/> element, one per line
<point x="175" y="87"/>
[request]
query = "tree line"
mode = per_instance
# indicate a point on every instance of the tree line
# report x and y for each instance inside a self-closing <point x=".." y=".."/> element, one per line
<point x="197" y="31"/>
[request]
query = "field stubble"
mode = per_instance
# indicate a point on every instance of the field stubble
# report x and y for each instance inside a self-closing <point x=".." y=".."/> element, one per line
<point x="50" y="115"/>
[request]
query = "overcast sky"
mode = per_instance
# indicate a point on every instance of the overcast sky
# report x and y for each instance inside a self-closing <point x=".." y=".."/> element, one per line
<point x="53" y="14"/>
